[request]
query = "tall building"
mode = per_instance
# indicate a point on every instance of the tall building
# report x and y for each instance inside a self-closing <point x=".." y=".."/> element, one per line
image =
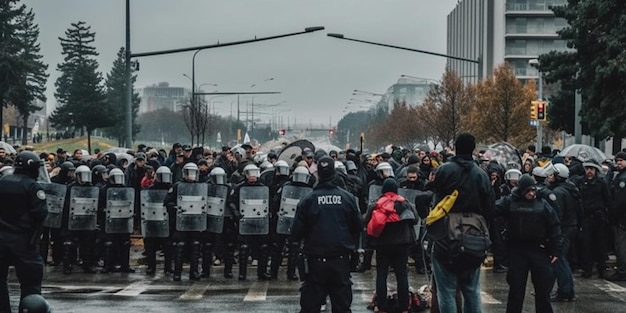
<point x="498" y="31"/>
<point x="408" y="89"/>
<point x="162" y="96"/>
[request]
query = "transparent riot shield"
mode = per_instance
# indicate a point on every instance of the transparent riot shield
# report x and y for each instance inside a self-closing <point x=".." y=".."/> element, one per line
<point x="154" y="217"/>
<point x="44" y="176"/>
<point x="216" y="208"/>
<point x="55" y="197"/>
<point x="410" y="195"/>
<point x="375" y="192"/>
<point x="120" y="207"/>
<point x="289" y="198"/>
<point x="83" y="208"/>
<point x="254" y="208"/>
<point x="191" y="202"/>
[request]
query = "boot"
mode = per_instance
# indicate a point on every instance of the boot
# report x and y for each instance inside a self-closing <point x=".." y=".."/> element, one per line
<point x="262" y="267"/>
<point x="292" y="261"/>
<point x="229" y="259"/>
<point x="108" y="267"/>
<point x="367" y="261"/>
<point x="68" y="257"/>
<point x="207" y="259"/>
<point x="87" y="252"/>
<point x="125" y="258"/>
<point x="43" y="247"/>
<point x="150" y="256"/>
<point x="168" y="251"/>
<point x="243" y="262"/>
<point x="194" y="274"/>
<point x="179" y="254"/>
<point x="57" y="252"/>
<point x="277" y="259"/>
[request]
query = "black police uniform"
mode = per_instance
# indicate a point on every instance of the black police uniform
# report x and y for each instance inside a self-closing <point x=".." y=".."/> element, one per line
<point x="248" y="243"/>
<point x="211" y="240"/>
<point x="23" y="209"/>
<point x="152" y="243"/>
<point x="116" y="246"/>
<point x="52" y="236"/>
<point x="534" y="235"/>
<point x="328" y="221"/>
<point x="76" y="242"/>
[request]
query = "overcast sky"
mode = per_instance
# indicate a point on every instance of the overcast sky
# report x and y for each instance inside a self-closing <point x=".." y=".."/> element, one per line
<point x="315" y="74"/>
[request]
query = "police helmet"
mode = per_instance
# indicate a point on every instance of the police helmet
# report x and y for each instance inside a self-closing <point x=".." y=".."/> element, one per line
<point x="218" y="176"/>
<point x="6" y="170"/>
<point x="190" y="171"/>
<point x="164" y="175"/>
<point x="83" y="174"/>
<point x="340" y="167"/>
<point x="282" y="168"/>
<point x="265" y="165"/>
<point x="27" y="163"/>
<point x="560" y="170"/>
<point x="116" y="176"/>
<point x="251" y="170"/>
<point x="34" y="304"/>
<point x="384" y="170"/>
<point x="300" y="175"/>
<point x="512" y="174"/>
<point x="68" y="166"/>
<point x="350" y="166"/>
<point x="539" y="171"/>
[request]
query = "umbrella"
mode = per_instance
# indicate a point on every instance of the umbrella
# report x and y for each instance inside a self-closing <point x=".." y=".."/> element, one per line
<point x="116" y="150"/>
<point x="583" y="152"/>
<point x="294" y="150"/>
<point x="505" y="154"/>
<point x="7" y="147"/>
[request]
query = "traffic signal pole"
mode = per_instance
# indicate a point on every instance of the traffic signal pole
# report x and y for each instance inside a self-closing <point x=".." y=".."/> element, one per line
<point x="539" y="122"/>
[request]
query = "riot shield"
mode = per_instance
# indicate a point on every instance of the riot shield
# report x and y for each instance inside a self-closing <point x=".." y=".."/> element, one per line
<point x="216" y="207"/>
<point x="289" y="199"/>
<point x="154" y="217"/>
<point x="83" y="208"/>
<point x="55" y="196"/>
<point x="410" y="195"/>
<point x="375" y="192"/>
<point x="254" y="208"/>
<point x="191" y="202"/>
<point x="119" y="210"/>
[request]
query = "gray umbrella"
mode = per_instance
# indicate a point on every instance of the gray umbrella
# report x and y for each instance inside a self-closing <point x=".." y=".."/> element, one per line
<point x="583" y="152"/>
<point x="7" y="147"/>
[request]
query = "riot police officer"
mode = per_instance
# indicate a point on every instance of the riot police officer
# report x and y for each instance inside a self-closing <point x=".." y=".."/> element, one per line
<point x="217" y="212"/>
<point x="118" y="222"/>
<point x="285" y="201"/>
<point x="79" y="221"/>
<point x="22" y="211"/>
<point x="187" y="200"/>
<point x="251" y="199"/>
<point x="328" y="221"/>
<point x="156" y="232"/>
<point x="534" y="240"/>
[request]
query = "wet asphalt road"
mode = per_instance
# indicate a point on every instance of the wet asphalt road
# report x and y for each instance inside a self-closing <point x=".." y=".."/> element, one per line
<point x="140" y="293"/>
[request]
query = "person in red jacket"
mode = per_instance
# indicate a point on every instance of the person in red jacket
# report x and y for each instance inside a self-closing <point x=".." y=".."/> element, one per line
<point x="390" y="227"/>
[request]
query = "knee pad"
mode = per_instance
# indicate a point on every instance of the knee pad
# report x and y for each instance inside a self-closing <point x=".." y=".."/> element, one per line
<point x="244" y="247"/>
<point x="108" y="244"/>
<point x="68" y="243"/>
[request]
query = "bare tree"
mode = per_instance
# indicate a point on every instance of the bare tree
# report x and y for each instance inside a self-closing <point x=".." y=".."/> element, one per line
<point x="195" y="116"/>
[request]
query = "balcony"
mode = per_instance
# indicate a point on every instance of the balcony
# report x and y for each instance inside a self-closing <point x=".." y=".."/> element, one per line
<point x="531" y="8"/>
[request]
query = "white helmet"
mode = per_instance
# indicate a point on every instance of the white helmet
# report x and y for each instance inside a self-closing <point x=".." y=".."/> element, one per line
<point x="83" y="174"/>
<point x="6" y="170"/>
<point x="218" y="176"/>
<point x="266" y="165"/>
<point x="190" y="171"/>
<point x="282" y="168"/>
<point x="164" y="175"/>
<point x="301" y="175"/>
<point x="512" y="174"/>
<point x="560" y="170"/>
<point x="539" y="171"/>
<point x="339" y="166"/>
<point x="251" y="170"/>
<point x="116" y="176"/>
<point x="384" y="170"/>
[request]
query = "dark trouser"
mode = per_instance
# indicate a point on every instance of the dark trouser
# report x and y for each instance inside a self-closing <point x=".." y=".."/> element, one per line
<point x="248" y="243"/>
<point x="229" y="242"/>
<point x="209" y="241"/>
<point x="537" y="261"/>
<point x="278" y="244"/>
<point x="151" y="246"/>
<point x="117" y="251"/>
<point x="17" y="250"/>
<point x="396" y="257"/>
<point x="327" y="277"/>
<point x="562" y="268"/>
<point x="498" y="245"/>
<point x="180" y="240"/>
<point x="593" y="244"/>
<point x="81" y="243"/>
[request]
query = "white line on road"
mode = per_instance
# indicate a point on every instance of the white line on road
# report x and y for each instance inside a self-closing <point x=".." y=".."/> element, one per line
<point x="134" y="289"/>
<point x="257" y="292"/>
<point x="614" y="290"/>
<point x="488" y="299"/>
<point x="195" y="292"/>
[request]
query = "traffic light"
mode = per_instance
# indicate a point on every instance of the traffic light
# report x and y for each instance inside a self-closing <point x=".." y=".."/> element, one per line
<point x="533" y="110"/>
<point x="282" y="132"/>
<point x="541" y="110"/>
<point x="331" y="131"/>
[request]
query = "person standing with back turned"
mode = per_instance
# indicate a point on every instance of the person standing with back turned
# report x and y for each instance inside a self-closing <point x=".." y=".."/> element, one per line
<point x="328" y="221"/>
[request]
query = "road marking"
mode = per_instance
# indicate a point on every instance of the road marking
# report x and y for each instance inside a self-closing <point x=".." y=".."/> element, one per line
<point x="488" y="299"/>
<point x="257" y="292"/>
<point x="614" y="290"/>
<point x="134" y="289"/>
<point x="195" y="292"/>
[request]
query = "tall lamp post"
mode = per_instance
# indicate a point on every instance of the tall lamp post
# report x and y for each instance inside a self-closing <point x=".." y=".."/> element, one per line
<point x="129" y="56"/>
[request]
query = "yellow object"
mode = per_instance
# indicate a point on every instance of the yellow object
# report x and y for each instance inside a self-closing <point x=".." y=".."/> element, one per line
<point x="533" y="110"/>
<point x="442" y="208"/>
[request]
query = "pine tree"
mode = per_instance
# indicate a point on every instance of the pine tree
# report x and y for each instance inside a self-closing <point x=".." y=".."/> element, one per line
<point x="33" y="76"/>
<point x="9" y="48"/>
<point x="80" y="91"/>
<point x="116" y="96"/>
